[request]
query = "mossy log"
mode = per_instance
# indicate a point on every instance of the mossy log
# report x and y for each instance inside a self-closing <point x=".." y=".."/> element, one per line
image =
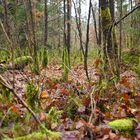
<point x="18" y="63"/>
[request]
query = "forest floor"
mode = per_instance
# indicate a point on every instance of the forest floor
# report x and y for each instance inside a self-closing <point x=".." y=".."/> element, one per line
<point x="87" y="108"/>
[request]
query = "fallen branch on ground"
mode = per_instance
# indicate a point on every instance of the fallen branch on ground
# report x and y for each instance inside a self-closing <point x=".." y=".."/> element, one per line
<point x="8" y="86"/>
<point x="51" y="135"/>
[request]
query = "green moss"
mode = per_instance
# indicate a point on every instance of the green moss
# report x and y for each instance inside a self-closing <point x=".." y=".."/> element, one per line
<point x="32" y="95"/>
<point x="65" y="64"/>
<point x="105" y="13"/>
<point x="33" y="136"/>
<point x="123" y="125"/>
<point x="45" y="58"/>
<point x="106" y="18"/>
<point x="39" y="136"/>
<point x="4" y="55"/>
<point x="54" y="116"/>
<point x="22" y="61"/>
<point x="137" y="68"/>
<point x="35" y="67"/>
<point x="3" y="68"/>
<point x="72" y="106"/>
<point x="53" y="135"/>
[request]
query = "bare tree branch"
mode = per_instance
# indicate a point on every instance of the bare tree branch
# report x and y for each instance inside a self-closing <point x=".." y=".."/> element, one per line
<point x="135" y="8"/>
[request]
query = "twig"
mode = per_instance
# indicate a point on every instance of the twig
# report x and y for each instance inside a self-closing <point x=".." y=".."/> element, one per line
<point x="72" y="73"/>
<point x="93" y="106"/>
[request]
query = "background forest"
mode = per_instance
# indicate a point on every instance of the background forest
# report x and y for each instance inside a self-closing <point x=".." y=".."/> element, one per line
<point x="70" y="69"/>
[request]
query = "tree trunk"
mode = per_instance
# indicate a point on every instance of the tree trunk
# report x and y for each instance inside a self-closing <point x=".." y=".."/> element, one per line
<point x="111" y="3"/>
<point x="95" y="25"/>
<point x="64" y="9"/>
<point x="6" y="23"/>
<point x="32" y="35"/>
<point x="78" y="24"/>
<point x="67" y="26"/>
<point x="87" y="42"/>
<point x="46" y="23"/>
<point x="109" y="38"/>
<point x="100" y="30"/>
<point x="68" y="44"/>
<point x="120" y="45"/>
<point x="106" y="22"/>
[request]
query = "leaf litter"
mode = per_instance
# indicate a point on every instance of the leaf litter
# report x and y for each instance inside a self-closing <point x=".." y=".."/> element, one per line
<point x="73" y="99"/>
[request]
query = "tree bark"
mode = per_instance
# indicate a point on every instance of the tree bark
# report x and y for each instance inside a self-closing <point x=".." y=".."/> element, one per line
<point x="78" y="24"/>
<point x="64" y="9"/>
<point x="32" y="35"/>
<point x="100" y="30"/>
<point x="95" y="25"/>
<point x="112" y="11"/>
<point x="6" y="23"/>
<point x="68" y="43"/>
<point x="87" y="42"/>
<point x="68" y="25"/>
<point x="109" y="37"/>
<point x="46" y="22"/>
<point x="106" y="22"/>
<point x="120" y="45"/>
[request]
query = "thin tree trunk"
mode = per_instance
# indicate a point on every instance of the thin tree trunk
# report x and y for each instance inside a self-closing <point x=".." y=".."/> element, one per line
<point x="9" y="35"/>
<point x="120" y="46"/>
<point x="112" y="11"/>
<point x="32" y="34"/>
<point x="100" y="30"/>
<point x="68" y="28"/>
<point x="32" y="26"/>
<point x="46" y="23"/>
<point x="115" y="49"/>
<point x="95" y="25"/>
<point x="6" y="23"/>
<point x="29" y="35"/>
<point x="131" y="24"/>
<point x="87" y="42"/>
<point x="64" y="9"/>
<point x="78" y="24"/>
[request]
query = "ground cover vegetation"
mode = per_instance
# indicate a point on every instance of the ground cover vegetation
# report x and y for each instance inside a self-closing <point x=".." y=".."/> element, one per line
<point x="68" y="72"/>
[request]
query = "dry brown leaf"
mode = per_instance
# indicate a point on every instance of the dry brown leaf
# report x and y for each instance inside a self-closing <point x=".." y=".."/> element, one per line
<point x="113" y="136"/>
